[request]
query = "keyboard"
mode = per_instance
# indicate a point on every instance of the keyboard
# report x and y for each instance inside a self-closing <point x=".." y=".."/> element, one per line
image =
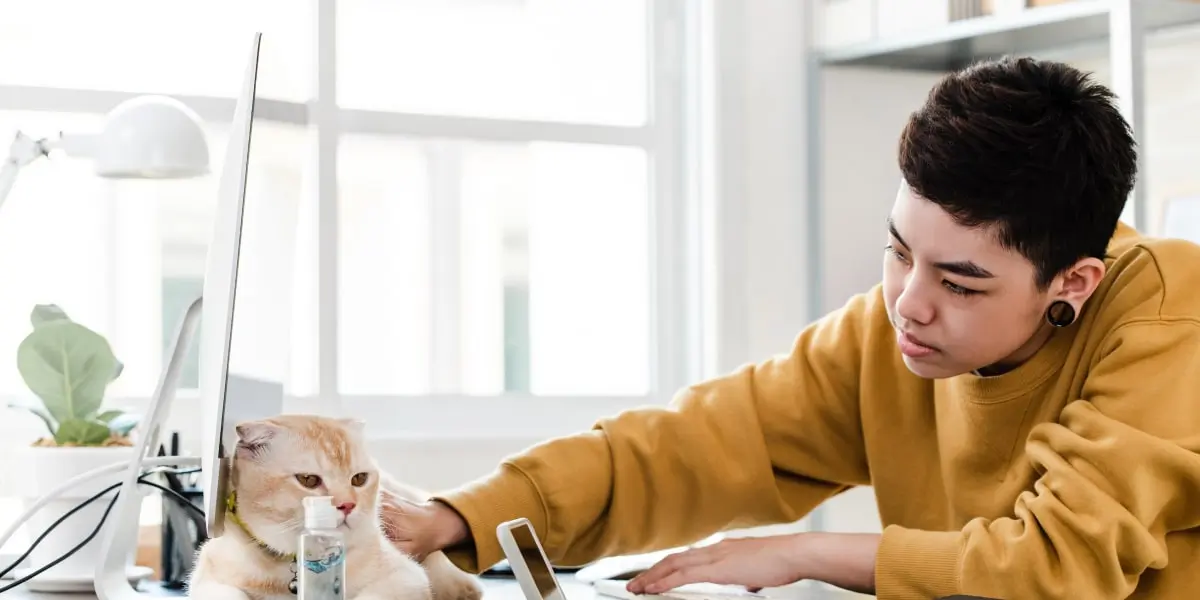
<point x="615" y="588"/>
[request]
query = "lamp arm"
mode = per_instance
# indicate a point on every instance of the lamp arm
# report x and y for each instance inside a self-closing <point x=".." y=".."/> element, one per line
<point x="21" y="152"/>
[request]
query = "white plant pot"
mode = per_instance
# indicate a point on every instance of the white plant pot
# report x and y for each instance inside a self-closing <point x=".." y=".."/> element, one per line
<point x="38" y="470"/>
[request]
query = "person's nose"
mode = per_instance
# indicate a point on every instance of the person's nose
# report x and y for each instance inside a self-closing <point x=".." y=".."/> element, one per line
<point x="914" y="304"/>
<point x="346" y="507"/>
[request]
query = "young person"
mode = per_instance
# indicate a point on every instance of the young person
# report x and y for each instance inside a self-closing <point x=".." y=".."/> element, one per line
<point x="1022" y="391"/>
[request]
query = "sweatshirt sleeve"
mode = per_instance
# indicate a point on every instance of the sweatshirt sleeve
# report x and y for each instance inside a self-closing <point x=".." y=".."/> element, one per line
<point x="1118" y="473"/>
<point x="764" y="444"/>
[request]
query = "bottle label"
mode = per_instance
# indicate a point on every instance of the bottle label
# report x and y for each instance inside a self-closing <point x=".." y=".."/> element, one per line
<point x="324" y="563"/>
<point x="322" y="568"/>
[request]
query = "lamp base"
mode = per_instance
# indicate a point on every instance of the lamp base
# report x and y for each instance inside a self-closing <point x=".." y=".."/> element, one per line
<point x="81" y="583"/>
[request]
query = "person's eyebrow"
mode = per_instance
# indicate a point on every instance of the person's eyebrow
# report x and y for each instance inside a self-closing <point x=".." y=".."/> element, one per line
<point x="963" y="268"/>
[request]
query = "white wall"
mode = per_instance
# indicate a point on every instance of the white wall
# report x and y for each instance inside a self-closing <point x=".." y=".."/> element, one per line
<point x="864" y="113"/>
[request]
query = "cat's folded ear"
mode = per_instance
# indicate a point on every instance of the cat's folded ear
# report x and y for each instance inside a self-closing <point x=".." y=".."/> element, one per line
<point x="254" y="437"/>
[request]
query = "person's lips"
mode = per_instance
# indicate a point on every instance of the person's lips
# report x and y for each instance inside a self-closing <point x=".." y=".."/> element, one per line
<point x="912" y="346"/>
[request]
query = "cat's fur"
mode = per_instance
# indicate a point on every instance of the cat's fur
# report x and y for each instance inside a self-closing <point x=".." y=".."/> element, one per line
<point x="269" y="456"/>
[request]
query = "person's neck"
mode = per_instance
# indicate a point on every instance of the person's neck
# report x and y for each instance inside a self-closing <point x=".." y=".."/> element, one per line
<point x="1022" y="354"/>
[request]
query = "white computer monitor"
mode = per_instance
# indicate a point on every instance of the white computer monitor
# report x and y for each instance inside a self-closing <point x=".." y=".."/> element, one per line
<point x="244" y="338"/>
<point x="244" y="315"/>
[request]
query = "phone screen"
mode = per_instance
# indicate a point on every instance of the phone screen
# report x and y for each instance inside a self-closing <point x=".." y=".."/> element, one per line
<point x="539" y="568"/>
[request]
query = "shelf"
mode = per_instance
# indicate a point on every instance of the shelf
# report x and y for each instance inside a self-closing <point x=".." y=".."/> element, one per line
<point x="1032" y="30"/>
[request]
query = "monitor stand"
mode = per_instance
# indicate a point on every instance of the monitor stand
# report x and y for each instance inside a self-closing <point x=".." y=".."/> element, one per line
<point x="120" y="539"/>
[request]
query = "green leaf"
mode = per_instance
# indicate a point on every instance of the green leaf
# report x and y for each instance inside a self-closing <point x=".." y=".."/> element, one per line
<point x="81" y="432"/>
<point x="47" y="313"/>
<point x="39" y="411"/>
<point x="123" y="424"/>
<point x="68" y="366"/>
<point x="109" y="415"/>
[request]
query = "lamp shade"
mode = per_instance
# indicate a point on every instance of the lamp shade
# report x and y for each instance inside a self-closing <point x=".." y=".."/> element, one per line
<point x="151" y="137"/>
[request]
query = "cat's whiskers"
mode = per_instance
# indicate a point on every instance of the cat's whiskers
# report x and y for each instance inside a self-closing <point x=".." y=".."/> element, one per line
<point x="289" y="525"/>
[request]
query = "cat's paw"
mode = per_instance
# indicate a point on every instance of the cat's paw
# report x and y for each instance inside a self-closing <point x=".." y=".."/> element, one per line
<point x="458" y="587"/>
<point x="401" y="594"/>
<point x="449" y="582"/>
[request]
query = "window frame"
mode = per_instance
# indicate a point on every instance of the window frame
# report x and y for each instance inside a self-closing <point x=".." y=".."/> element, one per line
<point x="677" y="303"/>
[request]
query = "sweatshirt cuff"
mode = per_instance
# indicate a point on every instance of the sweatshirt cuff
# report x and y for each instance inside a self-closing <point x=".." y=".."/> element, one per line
<point x="917" y="564"/>
<point x="505" y="495"/>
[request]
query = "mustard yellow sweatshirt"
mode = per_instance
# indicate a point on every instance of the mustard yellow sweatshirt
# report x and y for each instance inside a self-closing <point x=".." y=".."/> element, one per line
<point x="1076" y="475"/>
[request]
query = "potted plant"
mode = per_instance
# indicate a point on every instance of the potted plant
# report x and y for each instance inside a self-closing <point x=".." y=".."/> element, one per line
<point x="68" y="368"/>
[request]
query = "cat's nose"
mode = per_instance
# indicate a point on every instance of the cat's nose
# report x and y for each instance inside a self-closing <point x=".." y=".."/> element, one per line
<point x="346" y="507"/>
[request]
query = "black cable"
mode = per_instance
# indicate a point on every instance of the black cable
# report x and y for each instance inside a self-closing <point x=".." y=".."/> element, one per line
<point x="176" y="496"/>
<point x="56" y="524"/>
<point x="141" y="479"/>
<point x="68" y="553"/>
<point x="197" y="516"/>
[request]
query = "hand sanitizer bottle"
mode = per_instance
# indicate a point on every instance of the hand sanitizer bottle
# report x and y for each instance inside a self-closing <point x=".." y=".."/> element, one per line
<point x="321" y="561"/>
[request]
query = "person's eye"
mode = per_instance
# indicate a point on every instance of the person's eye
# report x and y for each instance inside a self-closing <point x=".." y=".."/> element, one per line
<point x="359" y="480"/>
<point x="895" y="253"/>
<point x="308" y="481"/>
<point x="958" y="289"/>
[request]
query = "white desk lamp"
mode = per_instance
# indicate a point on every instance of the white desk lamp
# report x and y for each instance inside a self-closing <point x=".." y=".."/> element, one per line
<point x="147" y="137"/>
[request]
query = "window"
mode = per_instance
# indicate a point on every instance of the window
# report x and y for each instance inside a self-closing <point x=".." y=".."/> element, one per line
<point x="511" y="196"/>
<point x="552" y="60"/>
<point x="482" y="268"/>
<point x="197" y="48"/>
<point x="491" y="188"/>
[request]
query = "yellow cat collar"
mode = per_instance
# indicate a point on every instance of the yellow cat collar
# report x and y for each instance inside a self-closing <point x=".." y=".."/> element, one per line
<point x="231" y="512"/>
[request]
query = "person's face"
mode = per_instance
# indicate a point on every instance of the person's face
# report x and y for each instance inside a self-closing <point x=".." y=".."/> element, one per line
<point x="961" y="302"/>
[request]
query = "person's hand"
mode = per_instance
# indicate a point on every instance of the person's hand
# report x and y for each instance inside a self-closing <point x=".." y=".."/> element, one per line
<point x="846" y="560"/>
<point x="752" y="562"/>
<point x="420" y="528"/>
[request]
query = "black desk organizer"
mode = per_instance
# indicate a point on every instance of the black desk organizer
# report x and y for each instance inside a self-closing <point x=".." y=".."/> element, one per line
<point x="183" y="532"/>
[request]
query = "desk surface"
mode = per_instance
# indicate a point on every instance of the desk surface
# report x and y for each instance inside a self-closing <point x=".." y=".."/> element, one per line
<point x="507" y="589"/>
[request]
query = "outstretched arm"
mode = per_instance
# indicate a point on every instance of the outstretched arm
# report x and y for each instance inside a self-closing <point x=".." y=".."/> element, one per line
<point x="762" y="445"/>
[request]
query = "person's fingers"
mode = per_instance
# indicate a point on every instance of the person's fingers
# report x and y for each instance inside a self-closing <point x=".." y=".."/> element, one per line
<point x="394" y="504"/>
<point x="657" y="571"/>
<point x="678" y="577"/>
<point x="667" y="566"/>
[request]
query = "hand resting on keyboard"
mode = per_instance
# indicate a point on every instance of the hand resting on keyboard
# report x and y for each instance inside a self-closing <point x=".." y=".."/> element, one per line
<point x="615" y="588"/>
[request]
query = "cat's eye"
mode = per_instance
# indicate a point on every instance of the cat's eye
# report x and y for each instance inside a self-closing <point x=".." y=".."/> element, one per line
<point x="359" y="480"/>
<point x="308" y="481"/>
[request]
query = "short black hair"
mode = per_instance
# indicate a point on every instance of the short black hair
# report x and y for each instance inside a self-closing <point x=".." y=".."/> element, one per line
<point x="1035" y="148"/>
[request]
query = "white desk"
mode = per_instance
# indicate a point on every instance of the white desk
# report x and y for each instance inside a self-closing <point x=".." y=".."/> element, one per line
<point x="506" y="589"/>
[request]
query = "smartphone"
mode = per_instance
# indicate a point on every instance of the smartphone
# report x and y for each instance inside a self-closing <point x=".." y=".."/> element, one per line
<point x="528" y="561"/>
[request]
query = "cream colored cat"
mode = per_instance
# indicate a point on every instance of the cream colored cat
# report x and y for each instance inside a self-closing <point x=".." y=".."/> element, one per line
<point x="278" y="462"/>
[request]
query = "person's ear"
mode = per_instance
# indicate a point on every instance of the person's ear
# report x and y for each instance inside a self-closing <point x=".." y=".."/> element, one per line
<point x="1079" y="281"/>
